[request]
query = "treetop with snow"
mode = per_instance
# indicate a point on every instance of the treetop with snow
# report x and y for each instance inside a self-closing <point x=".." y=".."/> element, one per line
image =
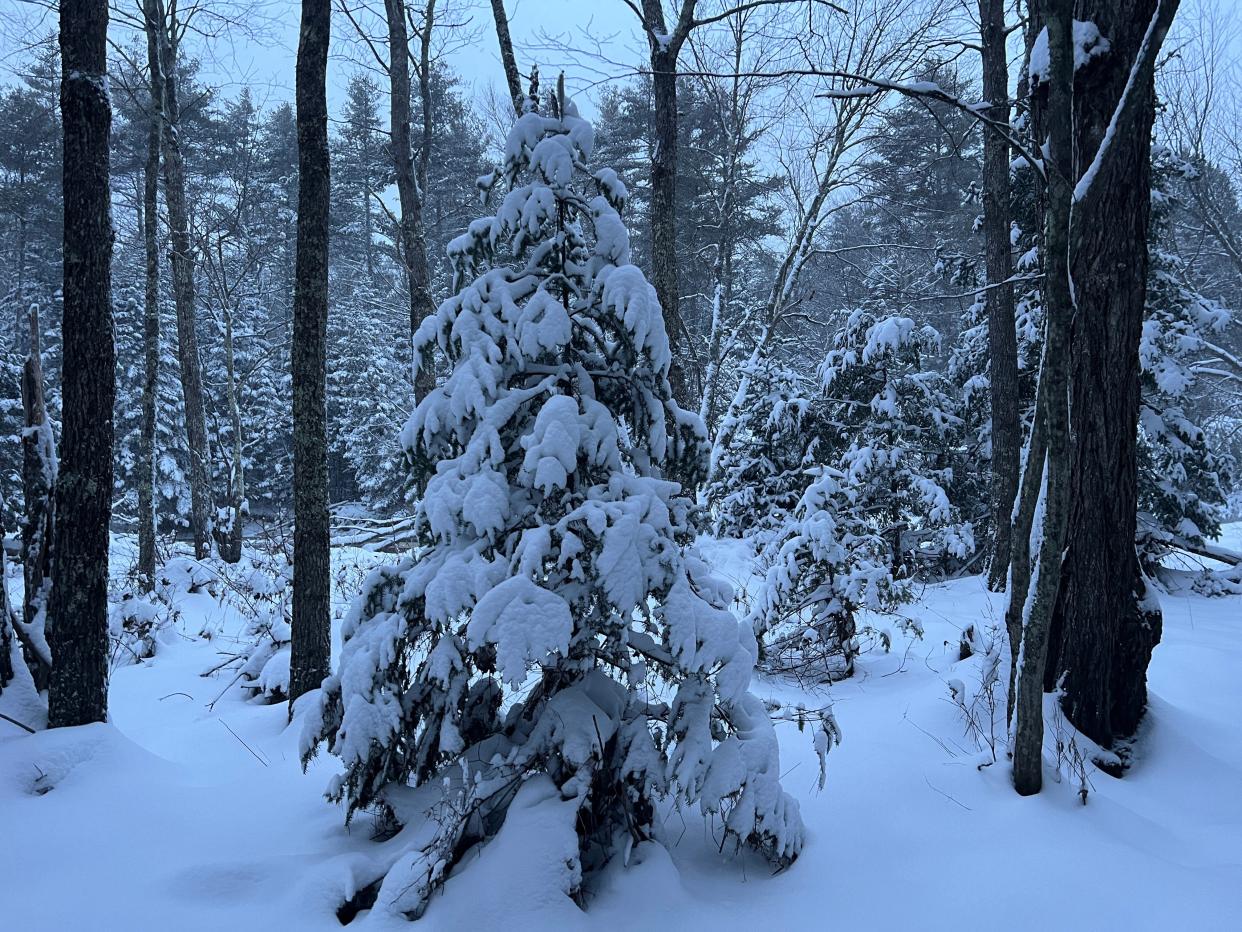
<point x="555" y="618"/>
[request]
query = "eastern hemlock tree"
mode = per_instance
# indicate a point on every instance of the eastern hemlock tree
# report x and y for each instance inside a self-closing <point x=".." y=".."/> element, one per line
<point x="877" y="512"/>
<point x="554" y="592"/>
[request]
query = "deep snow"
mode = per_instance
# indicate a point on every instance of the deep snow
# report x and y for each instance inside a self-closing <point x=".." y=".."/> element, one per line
<point x="179" y="816"/>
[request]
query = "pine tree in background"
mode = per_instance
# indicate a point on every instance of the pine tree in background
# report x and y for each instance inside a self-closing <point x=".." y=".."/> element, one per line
<point x="514" y="656"/>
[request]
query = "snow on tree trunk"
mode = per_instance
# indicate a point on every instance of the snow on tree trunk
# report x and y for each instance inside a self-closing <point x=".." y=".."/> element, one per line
<point x="554" y="619"/>
<point x="1107" y="621"/>
<point x="39" y="485"/>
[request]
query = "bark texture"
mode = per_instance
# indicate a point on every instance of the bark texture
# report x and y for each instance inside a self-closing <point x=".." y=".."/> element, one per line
<point x="664" y="47"/>
<point x="1107" y="621"/>
<point x="78" y="606"/>
<point x="182" y="257"/>
<point x="513" y="78"/>
<point x="150" y="306"/>
<point x="309" y="662"/>
<point x="1053" y="413"/>
<point x="38" y="487"/>
<point x="411" y="182"/>
<point x="1002" y="336"/>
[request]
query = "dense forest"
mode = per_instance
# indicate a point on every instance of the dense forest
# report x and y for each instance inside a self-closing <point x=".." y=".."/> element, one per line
<point x="548" y="459"/>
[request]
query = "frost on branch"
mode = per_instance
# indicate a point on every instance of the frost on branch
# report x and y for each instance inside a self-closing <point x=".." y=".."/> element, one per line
<point x="553" y="621"/>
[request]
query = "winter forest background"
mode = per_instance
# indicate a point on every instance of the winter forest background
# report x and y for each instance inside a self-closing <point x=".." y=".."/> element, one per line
<point x="550" y="429"/>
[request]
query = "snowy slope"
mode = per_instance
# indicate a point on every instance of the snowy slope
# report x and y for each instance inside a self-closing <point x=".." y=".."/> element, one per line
<point x="180" y="816"/>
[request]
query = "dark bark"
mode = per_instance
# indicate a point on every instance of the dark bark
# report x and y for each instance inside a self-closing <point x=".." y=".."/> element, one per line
<point x="38" y="486"/>
<point x="309" y="662"/>
<point x="1106" y="624"/>
<point x="513" y="77"/>
<point x="664" y="48"/>
<point x="78" y="604"/>
<point x="150" y="307"/>
<point x="230" y="538"/>
<point x="411" y="184"/>
<point x="182" y="258"/>
<point x="1002" y="337"/>
<point x="1052" y="401"/>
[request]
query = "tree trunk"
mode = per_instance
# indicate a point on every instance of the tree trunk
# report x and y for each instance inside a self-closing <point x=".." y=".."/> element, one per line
<point x="409" y="186"/>
<point x="309" y="663"/>
<point x="78" y="606"/>
<point x="1053" y="399"/>
<point x="150" y="307"/>
<point x="1107" y="621"/>
<point x="38" y="486"/>
<point x="664" y="212"/>
<point x="231" y="539"/>
<point x="513" y="77"/>
<point x="1002" y="336"/>
<point x="184" y="296"/>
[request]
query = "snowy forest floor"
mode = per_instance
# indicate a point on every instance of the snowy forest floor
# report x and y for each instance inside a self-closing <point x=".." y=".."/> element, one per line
<point x="188" y="815"/>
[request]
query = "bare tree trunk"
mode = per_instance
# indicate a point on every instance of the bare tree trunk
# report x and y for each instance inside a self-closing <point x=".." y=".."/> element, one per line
<point x="513" y="77"/>
<point x="310" y="660"/>
<point x="231" y="539"/>
<point x="184" y="295"/>
<point x="22" y="306"/>
<point x="664" y="271"/>
<point x="1002" y="336"/>
<point x="410" y="186"/>
<point x="150" y="307"/>
<point x="78" y="606"/>
<point x="39" y="486"/>
<point x="1053" y="401"/>
<point x="1107" y="621"/>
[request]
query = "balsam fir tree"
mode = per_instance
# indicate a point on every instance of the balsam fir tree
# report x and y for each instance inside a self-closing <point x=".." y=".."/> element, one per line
<point x="878" y="505"/>
<point x="554" y="625"/>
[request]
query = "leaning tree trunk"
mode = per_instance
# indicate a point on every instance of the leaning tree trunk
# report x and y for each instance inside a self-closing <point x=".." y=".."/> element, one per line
<point x="1108" y="621"/>
<point x="150" y="307"/>
<point x="78" y="605"/>
<point x="513" y="78"/>
<point x="1052" y="409"/>
<point x="1002" y="336"/>
<point x="184" y="296"/>
<point x="38" y="485"/>
<point x="309" y="662"/>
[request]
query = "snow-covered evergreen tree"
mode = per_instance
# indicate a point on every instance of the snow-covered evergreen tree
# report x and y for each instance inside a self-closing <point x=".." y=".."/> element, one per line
<point x="763" y="470"/>
<point x="554" y="620"/>
<point x="1182" y="480"/>
<point x="878" y="506"/>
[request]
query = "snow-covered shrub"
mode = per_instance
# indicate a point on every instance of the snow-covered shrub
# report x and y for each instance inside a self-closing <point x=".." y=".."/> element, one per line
<point x="265" y="587"/>
<point x="135" y="621"/>
<point x="879" y="504"/>
<point x="554" y="619"/>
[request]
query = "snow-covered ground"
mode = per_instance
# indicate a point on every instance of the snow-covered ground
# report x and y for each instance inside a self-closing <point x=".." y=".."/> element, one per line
<point x="190" y="810"/>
